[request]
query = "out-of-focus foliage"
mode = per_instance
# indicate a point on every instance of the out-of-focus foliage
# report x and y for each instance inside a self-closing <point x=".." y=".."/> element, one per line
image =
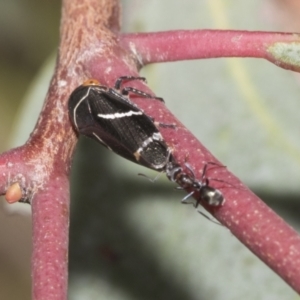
<point x="28" y="35"/>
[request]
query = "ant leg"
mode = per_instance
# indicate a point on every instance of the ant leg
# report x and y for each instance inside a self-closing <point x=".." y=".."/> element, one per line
<point x="184" y="200"/>
<point x="191" y="170"/>
<point x="204" y="172"/>
<point x="208" y="218"/>
<point x="215" y="164"/>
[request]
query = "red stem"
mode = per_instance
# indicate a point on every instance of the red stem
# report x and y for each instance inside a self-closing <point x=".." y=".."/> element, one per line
<point x="277" y="47"/>
<point x="90" y="48"/>
<point x="50" y="210"/>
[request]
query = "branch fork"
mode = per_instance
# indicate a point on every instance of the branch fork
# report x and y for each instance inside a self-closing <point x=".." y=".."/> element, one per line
<point x="92" y="46"/>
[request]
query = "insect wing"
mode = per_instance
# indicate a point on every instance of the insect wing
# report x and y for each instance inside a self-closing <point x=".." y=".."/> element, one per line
<point x="110" y="118"/>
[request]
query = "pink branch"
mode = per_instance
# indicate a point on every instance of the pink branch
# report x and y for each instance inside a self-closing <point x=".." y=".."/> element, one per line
<point x="248" y="218"/>
<point x="90" y="48"/>
<point x="265" y="234"/>
<point x="279" y="48"/>
<point x="38" y="171"/>
<point x="50" y="240"/>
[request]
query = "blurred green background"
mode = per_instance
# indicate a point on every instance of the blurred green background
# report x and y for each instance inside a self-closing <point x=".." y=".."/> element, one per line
<point x="28" y="35"/>
<point x="131" y="239"/>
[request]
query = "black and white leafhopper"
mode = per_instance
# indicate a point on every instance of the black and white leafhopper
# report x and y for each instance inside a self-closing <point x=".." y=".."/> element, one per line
<point x="108" y="116"/>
